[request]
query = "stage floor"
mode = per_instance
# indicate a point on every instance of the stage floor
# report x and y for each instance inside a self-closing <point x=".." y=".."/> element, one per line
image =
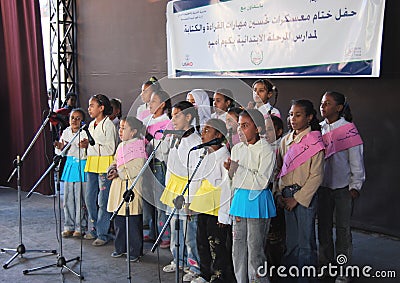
<point x="39" y="232"/>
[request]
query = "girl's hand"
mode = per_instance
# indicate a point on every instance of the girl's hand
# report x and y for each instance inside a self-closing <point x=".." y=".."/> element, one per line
<point x="58" y="145"/>
<point x="354" y="193"/>
<point x="221" y="225"/>
<point x="233" y="168"/>
<point x="290" y="203"/>
<point x="112" y="174"/>
<point x="188" y="211"/>
<point x="280" y="202"/>
<point x="84" y="143"/>
<point x="227" y="163"/>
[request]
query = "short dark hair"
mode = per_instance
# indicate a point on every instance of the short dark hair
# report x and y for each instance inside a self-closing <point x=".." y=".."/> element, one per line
<point x="80" y="110"/>
<point x="117" y="103"/>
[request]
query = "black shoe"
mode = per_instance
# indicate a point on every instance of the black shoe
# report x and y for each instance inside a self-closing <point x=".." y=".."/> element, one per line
<point x="117" y="254"/>
<point x="133" y="258"/>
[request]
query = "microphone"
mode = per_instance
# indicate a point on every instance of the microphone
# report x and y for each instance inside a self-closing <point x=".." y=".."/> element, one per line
<point x="211" y="142"/>
<point x="90" y="138"/>
<point x="172" y="132"/>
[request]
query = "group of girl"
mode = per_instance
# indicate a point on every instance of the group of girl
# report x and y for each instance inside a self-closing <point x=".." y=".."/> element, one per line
<point x="230" y="200"/>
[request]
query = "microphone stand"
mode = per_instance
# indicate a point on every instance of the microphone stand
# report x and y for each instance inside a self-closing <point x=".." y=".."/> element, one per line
<point x="178" y="204"/>
<point x="129" y="196"/>
<point x="20" y="250"/>
<point x="61" y="261"/>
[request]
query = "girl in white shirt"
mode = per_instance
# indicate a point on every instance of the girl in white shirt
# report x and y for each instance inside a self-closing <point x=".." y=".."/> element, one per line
<point x="251" y="166"/>
<point x="100" y="157"/>
<point x="160" y="109"/>
<point x="344" y="176"/>
<point x="147" y="89"/>
<point x="223" y="100"/>
<point x="212" y="202"/>
<point x="184" y="114"/>
<point x="263" y="90"/>
<point x="74" y="176"/>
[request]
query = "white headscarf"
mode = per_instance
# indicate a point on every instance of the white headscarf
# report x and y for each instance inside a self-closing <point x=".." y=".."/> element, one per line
<point x="202" y="102"/>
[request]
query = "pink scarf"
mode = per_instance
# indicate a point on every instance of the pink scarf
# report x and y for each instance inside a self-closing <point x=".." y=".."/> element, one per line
<point x="144" y="114"/>
<point x="341" y="138"/>
<point x="298" y="153"/>
<point x="130" y="150"/>
<point x="162" y="125"/>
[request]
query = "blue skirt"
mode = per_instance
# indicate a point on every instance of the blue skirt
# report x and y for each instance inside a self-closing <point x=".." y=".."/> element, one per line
<point x="72" y="168"/>
<point x="253" y="204"/>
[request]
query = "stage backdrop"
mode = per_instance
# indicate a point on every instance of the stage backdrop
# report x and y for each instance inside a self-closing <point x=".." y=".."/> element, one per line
<point x="122" y="43"/>
<point x="252" y="38"/>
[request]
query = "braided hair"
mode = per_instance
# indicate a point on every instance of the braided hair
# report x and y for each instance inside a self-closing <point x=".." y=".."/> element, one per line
<point x="103" y="100"/>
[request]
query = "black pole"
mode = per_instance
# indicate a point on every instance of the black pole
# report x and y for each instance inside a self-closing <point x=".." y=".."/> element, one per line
<point x="61" y="261"/>
<point x="20" y="250"/>
<point x="178" y="204"/>
<point x="128" y="198"/>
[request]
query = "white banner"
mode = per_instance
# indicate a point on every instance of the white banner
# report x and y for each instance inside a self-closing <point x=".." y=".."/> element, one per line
<point x="254" y="38"/>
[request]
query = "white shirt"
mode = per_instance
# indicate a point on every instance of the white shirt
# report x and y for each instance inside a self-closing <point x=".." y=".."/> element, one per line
<point x="221" y="116"/>
<point x="264" y="109"/>
<point x="105" y="137"/>
<point x="212" y="169"/>
<point x="256" y="165"/>
<point x="177" y="162"/>
<point x="74" y="149"/>
<point x="344" y="167"/>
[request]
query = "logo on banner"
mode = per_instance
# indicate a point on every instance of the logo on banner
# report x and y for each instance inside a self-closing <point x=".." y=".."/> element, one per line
<point x="353" y="51"/>
<point x="256" y="57"/>
<point x="187" y="62"/>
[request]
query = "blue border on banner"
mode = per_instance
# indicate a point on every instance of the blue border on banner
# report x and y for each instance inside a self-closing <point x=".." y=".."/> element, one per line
<point x="361" y="68"/>
<point x="183" y="5"/>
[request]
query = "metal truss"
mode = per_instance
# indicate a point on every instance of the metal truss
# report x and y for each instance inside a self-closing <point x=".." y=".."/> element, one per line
<point x="63" y="57"/>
